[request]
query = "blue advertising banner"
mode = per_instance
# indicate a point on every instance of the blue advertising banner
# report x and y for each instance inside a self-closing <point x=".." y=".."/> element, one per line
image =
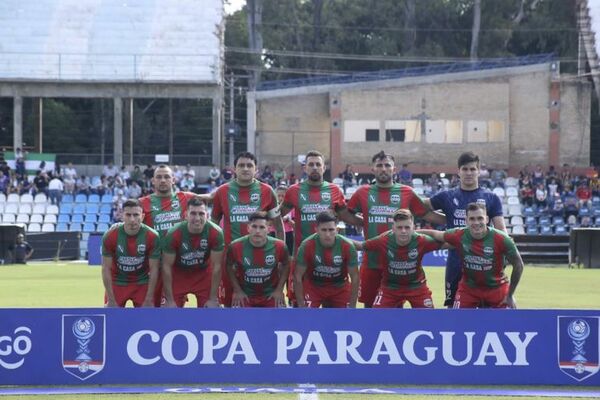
<point x="184" y="346"/>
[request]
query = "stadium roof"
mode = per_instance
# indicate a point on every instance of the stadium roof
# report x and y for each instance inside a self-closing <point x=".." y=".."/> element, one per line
<point x="589" y="28"/>
<point x="434" y="69"/>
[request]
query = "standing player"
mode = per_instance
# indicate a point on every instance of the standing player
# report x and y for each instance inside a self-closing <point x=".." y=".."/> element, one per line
<point x="453" y="204"/>
<point x="323" y="263"/>
<point x="399" y="253"/>
<point x="481" y="252"/>
<point x="258" y="266"/>
<point x="191" y="260"/>
<point x="308" y="199"/>
<point x="235" y="201"/>
<point x="377" y="203"/>
<point x="163" y="209"/>
<point x="130" y="259"/>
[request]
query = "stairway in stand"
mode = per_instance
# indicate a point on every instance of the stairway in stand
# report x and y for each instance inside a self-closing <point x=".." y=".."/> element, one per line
<point x="543" y="249"/>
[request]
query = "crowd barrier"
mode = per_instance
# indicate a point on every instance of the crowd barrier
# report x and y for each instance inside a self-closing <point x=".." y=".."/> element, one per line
<point x="186" y="346"/>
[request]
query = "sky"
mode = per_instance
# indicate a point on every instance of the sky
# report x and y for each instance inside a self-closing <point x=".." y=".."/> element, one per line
<point x="232" y="6"/>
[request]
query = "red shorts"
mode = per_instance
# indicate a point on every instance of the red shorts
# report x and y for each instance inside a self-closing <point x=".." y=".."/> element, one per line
<point x="326" y="296"/>
<point x="133" y="292"/>
<point x="370" y="280"/>
<point x="196" y="282"/>
<point x="468" y="297"/>
<point x="260" y="301"/>
<point x="418" y="298"/>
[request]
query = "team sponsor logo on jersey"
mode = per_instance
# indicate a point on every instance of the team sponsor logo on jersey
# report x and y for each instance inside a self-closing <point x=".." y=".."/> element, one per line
<point x="455" y="201"/>
<point x="488" y="251"/>
<point x="232" y="197"/>
<point x="155" y="208"/>
<point x="318" y="258"/>
<point x="390" y="253"/>
<point x="141" y="248"/>
<point x="270" y="259"/>
<point x="254" y="197"/>
<point x="120" y="248"/>
<point x="413" y="253"/>
<point x="203" y="243"/>
<point x="395" y="199"/>
<point x="185" y="246"/>
<point x="372" y="198"/>
<point x="480" y="201"/>
<point x="303" y="197"/>
<point x="578" y="346"/>
<point x="326" y="196"/>
<point x="175" y="204"/>
<point x="337" y="260"/>
<point x="247" y="261"/>
<point x="83" y="344"/>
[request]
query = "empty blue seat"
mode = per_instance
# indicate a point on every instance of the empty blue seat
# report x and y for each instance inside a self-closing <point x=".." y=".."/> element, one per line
<point x="89" y="227"/>
<point x="66" y="218"/>
<point x="92" y="209"/>
<point x="584" y="211"/>
<point x="558" y="221"/>
<point x="66" y="208"/>
<point x="532" y="230"/>
<point x="91" y="218"/>
<point x="529" y="211"/>
<point x="79" y="209"/>
<point x="530" y="220"/>
<point x="107" y="199"/>
<point x="77" y="218"/>
<point x="81" y="198"/>
<point x="560" y="230"/>
<point x="93" y="198"/>
<point x="102" y="227"/>
<point x="105" y="209"/>
<point x="67" y="198"/>
<point x="546" y="230"/>
<point x="104" y="218"/>
<point x="62" y="227"/>
<point x="545" y="221"/>
<point x="76" y="227"/>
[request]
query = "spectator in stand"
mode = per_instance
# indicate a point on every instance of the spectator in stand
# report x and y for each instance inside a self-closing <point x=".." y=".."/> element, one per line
<point x="541" y="196"/>
<point x="527" y="194"/>
<point x="124" y="175"/>
<point x="100" y="186"/>
<point x="214" y="175"/>
<point x="187" y="183"/>
<point x="404" y="176"/>
<point x="227" y="174"/>
<point x="178" y="175"/>
<point x="538" y="175"/>
<point x="69" y="178"/>
<point x="348" y="177"/>
<point x="110" y="170"/>
<point x="558" y="207"/>
<point x="40" y="183"/>
<point x="454" y="181"/>
<point x="149" y="172"/>
<point x="134" y="190"/>
<point x="566" y="178"/>
<point x="553" y="188"/>
<point x="4" y="168"/>
<point x="524" y="181"/>
<point x="4" y="183"/>
<point x="266" y="176"/>
<point x="570" y="201"/>
<point x="595" y="186"/>
<point x="20" y="165"/>
<point x="292" y="180"/>
<point x="584" y="194"/>
<point x="43" y="167"/>
<point x="137" y="175"/>
<point x="190" y="171"/>
<point x="498" y="176"/>
<point x="55" y="190"/>
<point x="56" y="172"/>
<point x="83" y="185"/>
<point x="484" y="176"/>
<point x="551" y="173"/>
<point x="434" y="182"/>
<point x="586" y="222"/>
<point x="279" y="176"/>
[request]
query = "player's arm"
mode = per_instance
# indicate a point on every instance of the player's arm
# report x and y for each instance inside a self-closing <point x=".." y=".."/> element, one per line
<point x="299" y="272"/>
<point x="437" y="235"/>
<point x="517" y="270"/>
<point x="434" y="217"/>
<point x="284" y="272"/>
<point x="275" y="218"/>
<point x="498" y="223"/>
<point x="168" y="259"/>
<point x="349" y="218"/>
<point x="284" y="209"/>
<point x="357" y="244"/>
<point x="154" y="265"/>
<point x="215" y="261"/>
<point x="239" y="297"/>
<point x="107" y="281"/>
<point x="29" y="252"/>
<point x="354" y="284"/>
<point x="207" y="197"/>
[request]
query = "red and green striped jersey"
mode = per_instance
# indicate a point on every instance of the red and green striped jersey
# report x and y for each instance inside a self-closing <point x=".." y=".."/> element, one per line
<point x="401" y="265"/>
<point x="130" y="253"/>
<point x="482" y="260"/>
<point x="327" y="266"/>
<point x="308" y="201"/>
<point x="257" y="267"/>
<point x="161" y="213"/>
<point x="378" y="205"/>
<point x="192" y="251"/>
<point x="235" y="203"/>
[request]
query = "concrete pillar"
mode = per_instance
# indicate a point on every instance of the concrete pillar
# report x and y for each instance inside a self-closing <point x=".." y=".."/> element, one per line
<point x="251" y="121"/>
<point x="554" y="142"/>
<point x="335" y="121"/>
<point x="217" y="129"/>
<point x="118" y="131"/>
<point x="17" y="122"/>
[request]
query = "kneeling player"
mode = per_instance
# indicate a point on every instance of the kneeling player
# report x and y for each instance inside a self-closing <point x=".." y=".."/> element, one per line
<point x="258" y="266"/>
<point x="192" y="252"/>
<point x="324" y="262"/>
<point x="399" y="253"/>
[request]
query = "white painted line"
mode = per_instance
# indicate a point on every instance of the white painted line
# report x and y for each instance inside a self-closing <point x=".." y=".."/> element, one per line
<point x="308" y="396"/>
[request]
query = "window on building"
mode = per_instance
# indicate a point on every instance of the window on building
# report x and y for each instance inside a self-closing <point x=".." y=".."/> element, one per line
<point x="395" y="135"/>
<point x="372" y="135"/>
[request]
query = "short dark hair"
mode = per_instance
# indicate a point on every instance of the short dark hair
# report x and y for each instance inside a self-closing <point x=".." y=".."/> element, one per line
<point x="475" y="207"/>
<point x="468" y="157"/>
<point x="382" y="155"/>
<point x="244" y="154"/>
<point x="315" y="153"/>
<point x="258" y="215"/>
<point x="403" y="214"/>
<point x="132" y="203"/>
<point x="196" y="202"/>
<point x="325" y="217"/>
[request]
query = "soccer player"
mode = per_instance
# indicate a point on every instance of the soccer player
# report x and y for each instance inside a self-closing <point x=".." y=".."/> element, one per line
<point x="191" y="259"/>
<point x="235" y="201"/>
<point x="481" y="252"/>
<point x="130" y="259"/>
<point x="377" y="203"/>
<point x="324" y="262"/>
<point x="308" y="199"/>
<point x="163" y="209"/>
<point x="258" y="266"/>
<point x="399" y="253"/>
<point x="453" y="204"/>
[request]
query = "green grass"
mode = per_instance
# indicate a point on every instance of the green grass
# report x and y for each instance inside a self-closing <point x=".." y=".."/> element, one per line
<point x="73" y="284"/>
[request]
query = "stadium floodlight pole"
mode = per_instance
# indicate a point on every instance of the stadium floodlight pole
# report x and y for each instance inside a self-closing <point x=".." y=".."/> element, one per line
<point x="231" y="117"/>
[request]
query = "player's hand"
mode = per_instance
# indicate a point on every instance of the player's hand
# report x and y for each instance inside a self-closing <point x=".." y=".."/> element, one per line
<point x="279" y="299"/>
<point x="239" y="299"/>
<point x="148" y="303"/>
<point x="169" y="304"/>
<point x="509" y="301"/>
<point x="111" y="303"/>
<point x="212" y="303"/>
